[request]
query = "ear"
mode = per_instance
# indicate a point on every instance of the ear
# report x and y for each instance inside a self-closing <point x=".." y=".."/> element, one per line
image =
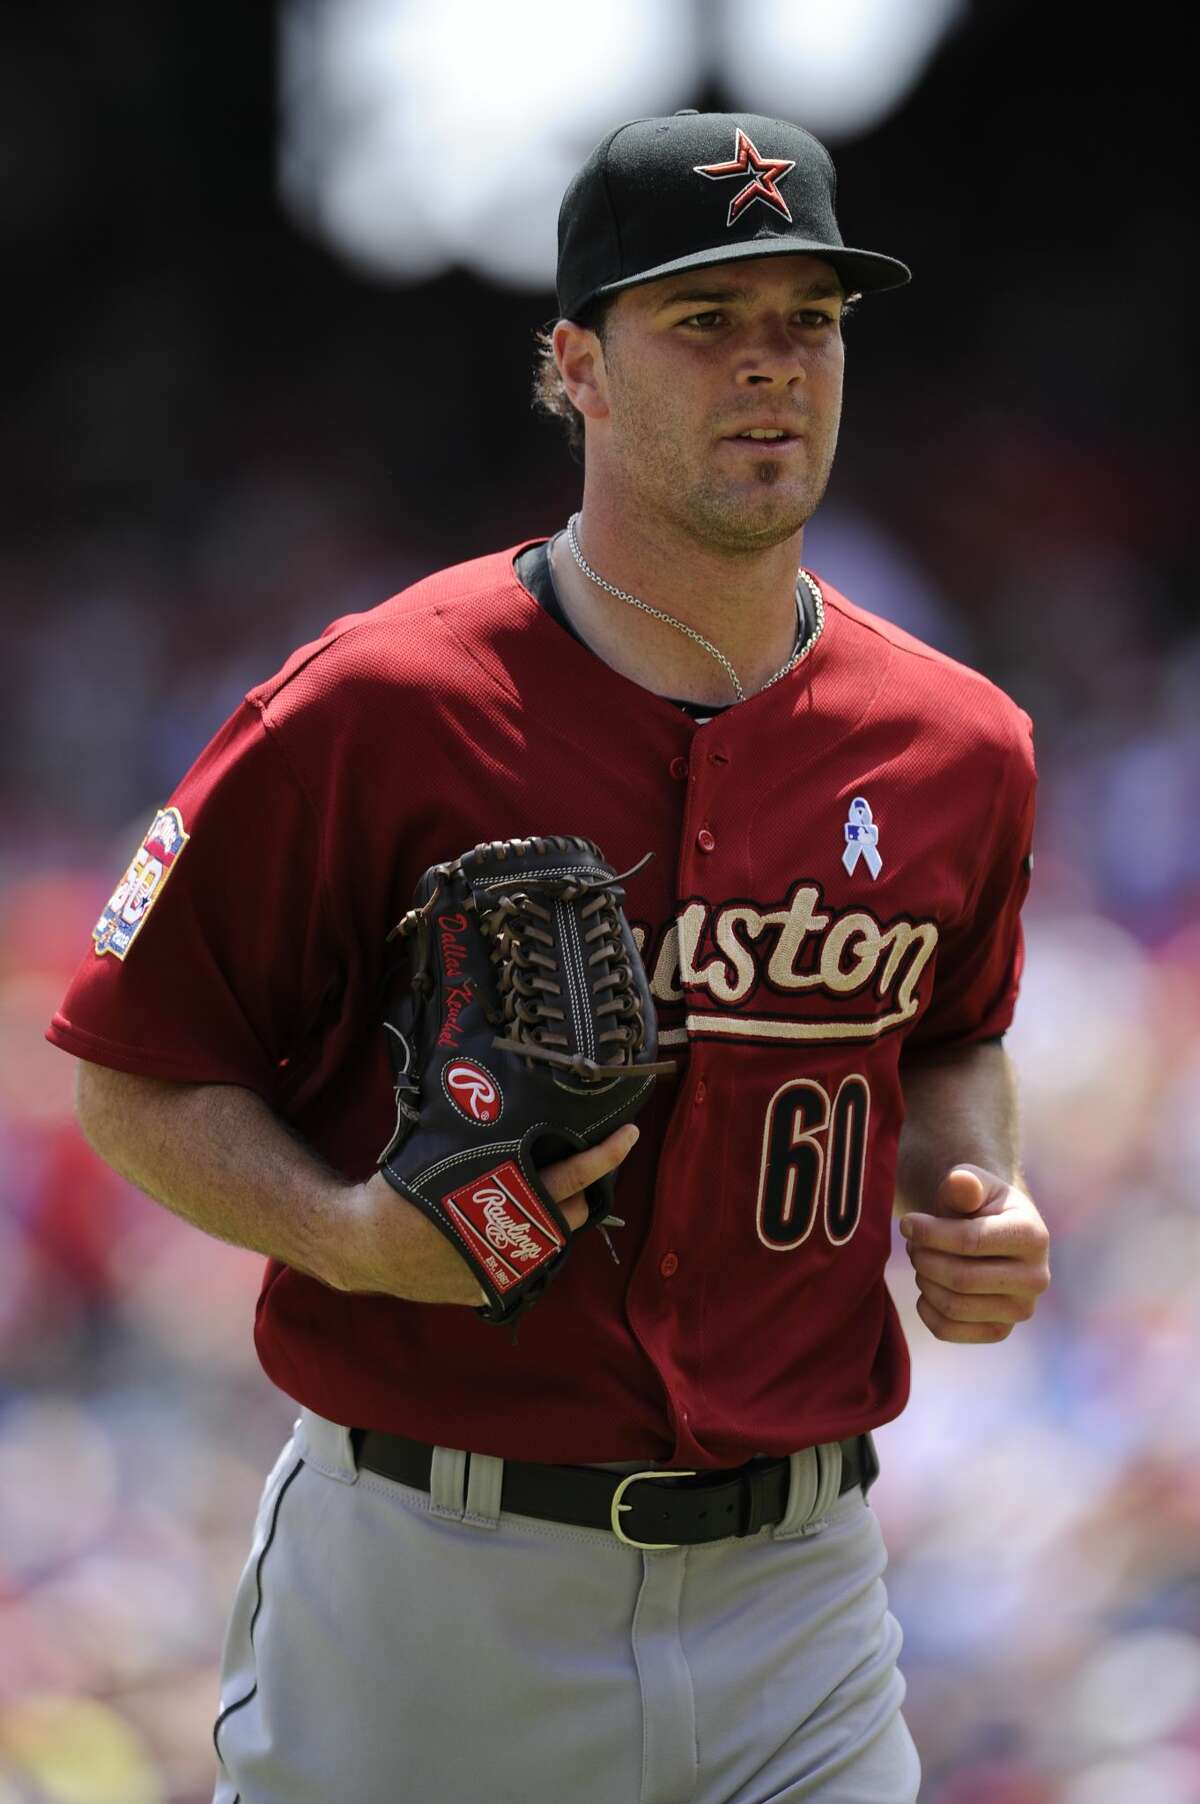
<point x="580" y="359"/>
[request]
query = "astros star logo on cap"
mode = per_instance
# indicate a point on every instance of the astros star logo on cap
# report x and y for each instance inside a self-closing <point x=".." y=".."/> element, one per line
<point x="766" y="172"/>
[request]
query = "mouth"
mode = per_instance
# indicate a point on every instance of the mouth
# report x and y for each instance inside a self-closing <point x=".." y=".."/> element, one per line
<point x="771" y="441"/>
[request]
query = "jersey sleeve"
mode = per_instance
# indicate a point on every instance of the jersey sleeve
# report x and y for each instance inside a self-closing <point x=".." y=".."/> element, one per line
<point x="207" y="960"/>
<point x="981" y="956"/>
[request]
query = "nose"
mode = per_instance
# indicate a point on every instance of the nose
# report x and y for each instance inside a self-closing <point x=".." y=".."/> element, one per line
<point x="771" y="354"/>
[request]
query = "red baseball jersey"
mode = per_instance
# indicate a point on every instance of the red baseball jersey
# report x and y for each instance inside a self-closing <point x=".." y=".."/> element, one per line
<point x="839" y="865"/>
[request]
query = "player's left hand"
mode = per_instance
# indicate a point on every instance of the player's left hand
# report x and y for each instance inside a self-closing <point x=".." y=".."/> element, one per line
<point x="982" y="1256"/>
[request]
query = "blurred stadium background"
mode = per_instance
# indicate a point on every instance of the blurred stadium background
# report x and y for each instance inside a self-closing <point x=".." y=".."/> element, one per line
<point x="277" y="280"/>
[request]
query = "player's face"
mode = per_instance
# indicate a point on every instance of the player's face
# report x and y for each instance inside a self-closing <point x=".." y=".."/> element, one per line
<point x="693" y="362"/>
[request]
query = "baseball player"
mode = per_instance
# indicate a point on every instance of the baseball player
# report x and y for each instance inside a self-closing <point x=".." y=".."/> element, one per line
<point x="626" y="1556"/>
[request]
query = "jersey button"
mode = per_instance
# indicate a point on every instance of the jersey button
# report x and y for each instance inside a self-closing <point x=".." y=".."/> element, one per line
<point x="678" y="767"/>
<point x="668" y="1265"/>
<point x="706" y="841"/>
<point x="701" y="1093"/>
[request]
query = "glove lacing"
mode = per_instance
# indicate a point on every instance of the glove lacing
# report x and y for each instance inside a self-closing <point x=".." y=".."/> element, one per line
<point x="529" y="978"/>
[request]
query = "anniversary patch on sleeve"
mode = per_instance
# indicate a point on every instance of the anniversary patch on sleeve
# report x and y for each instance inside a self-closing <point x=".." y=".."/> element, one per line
<point x="130" y="903"/>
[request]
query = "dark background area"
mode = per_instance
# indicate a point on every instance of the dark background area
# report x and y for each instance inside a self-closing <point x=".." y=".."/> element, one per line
<point x="217" y="438"/>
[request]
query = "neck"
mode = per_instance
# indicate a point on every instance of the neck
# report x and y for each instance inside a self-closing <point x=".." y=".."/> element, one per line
<point x="743" y="602"/>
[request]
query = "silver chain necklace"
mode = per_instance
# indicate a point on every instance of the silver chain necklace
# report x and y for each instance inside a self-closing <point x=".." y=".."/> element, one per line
<point x="799" y="651"/>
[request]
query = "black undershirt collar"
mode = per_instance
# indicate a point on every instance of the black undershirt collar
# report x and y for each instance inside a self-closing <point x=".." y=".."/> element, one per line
<point x="532" y="567"/>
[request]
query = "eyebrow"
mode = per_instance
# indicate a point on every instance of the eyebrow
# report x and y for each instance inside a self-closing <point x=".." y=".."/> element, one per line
<point x="815" y="291"/>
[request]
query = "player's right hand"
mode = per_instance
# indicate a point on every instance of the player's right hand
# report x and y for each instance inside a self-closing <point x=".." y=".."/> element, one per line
<point x="387" y="1247"/>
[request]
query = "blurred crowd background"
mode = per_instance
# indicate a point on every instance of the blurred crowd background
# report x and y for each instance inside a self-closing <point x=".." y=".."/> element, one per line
<point x="223" y="428"/>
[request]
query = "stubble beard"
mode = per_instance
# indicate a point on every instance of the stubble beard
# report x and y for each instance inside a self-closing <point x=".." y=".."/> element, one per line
<point x="725" y="516"/>
<point x="728" y="517"/>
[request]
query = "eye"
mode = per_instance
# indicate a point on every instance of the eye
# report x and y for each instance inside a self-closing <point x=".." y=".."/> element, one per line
<point x="814" y="318"/>
<point x="704" y="322"/>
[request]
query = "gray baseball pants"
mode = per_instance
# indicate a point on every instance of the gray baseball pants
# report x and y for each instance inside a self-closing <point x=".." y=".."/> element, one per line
<point x="388" y="1644"/>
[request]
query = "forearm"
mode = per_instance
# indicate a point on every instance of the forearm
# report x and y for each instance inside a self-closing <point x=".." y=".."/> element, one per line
<point x="215" y="1155"/>
<point x="959" y="1109"/>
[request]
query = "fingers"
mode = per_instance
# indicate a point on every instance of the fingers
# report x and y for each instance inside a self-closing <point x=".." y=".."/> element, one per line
<point x="567" y="1177"/>
<point x="1018" y="1233"/>
<point x="979" y="1273"/>
<point x="946" y="1328"/>
<point x="575" y="1211"/>
<point x="953" y="1306"/>
<point x="975" y="1300"/>
<point x="979" y="1276"/>
<point x="964" y="1190"/>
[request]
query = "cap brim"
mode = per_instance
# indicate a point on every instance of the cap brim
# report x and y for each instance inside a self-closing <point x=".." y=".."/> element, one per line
<point x="864" y="272"/>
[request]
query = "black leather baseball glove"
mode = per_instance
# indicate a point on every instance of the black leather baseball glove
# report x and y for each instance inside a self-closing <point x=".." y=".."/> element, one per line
<point x="526" y="1032"/>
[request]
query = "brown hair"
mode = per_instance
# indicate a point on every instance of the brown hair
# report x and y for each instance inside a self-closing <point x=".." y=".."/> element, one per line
<point x="549" y="395"/>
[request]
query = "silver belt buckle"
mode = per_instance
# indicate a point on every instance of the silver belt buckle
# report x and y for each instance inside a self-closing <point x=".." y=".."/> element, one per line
<point x="618" y="1506"/>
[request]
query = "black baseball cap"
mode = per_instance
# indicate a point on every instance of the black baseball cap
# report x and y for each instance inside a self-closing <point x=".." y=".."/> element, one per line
<point x="661" y="195"/>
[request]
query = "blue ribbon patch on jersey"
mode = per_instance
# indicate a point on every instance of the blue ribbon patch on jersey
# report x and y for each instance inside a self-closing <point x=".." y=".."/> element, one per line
<point x="126" y="909"/>
<point x="862" y="838"/>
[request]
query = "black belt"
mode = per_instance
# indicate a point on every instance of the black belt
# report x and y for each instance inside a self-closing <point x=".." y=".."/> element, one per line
<point x="644" y="1509"/>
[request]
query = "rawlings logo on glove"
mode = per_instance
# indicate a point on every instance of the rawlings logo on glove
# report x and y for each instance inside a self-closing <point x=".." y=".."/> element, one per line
<point x="523" y="966"/>
<point x="500" y="1214"/>
<point x="473" y="1091"/>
